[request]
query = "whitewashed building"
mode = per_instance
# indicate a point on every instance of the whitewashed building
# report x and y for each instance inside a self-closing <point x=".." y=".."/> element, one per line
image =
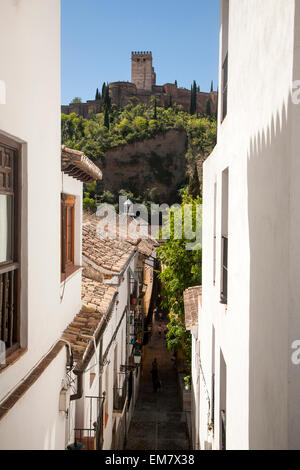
<point x="40" y="231"/>
<point x="106" y="369"/>
<point x="246" y="382"/>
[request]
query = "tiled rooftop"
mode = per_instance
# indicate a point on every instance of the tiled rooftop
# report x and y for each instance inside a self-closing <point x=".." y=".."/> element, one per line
<point x="106" y="254"/>
<point x="74" y="163"/>
<point x="127" y="230"/>
<point x="97" y="298"/>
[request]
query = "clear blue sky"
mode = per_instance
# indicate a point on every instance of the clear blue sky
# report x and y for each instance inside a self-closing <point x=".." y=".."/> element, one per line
<point x="98" y="37"/>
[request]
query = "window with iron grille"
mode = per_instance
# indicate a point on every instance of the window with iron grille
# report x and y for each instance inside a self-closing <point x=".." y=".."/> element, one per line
<point x="9" y="244"/>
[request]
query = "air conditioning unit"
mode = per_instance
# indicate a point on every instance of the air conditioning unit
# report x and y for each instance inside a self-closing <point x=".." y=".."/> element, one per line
<point x="64" y="400"/>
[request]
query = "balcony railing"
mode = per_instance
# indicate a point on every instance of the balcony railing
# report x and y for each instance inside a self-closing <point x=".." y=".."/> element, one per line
<point x="91" y="438"/>
<point x="9" y="306"/>
<point x="224" y="288"/>
<point x="85" y="439"/>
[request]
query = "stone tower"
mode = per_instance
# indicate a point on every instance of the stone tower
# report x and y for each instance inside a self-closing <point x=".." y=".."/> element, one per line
<point x="142" y="72"/>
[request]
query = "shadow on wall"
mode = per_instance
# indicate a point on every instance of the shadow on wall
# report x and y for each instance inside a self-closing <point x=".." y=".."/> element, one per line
<point x="273" y="176"/>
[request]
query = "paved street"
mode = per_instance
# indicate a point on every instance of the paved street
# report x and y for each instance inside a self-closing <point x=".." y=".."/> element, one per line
<point x="158" y="423"/>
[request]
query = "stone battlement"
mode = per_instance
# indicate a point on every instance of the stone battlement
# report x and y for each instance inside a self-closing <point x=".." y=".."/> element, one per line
<point x="141" y="54"/>
<point x="142" y="87"/>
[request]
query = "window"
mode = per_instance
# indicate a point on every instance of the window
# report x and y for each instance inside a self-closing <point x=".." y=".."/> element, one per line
<point x="224" y="247"/>
<point x="10" y="153"/>
<point x="225" y="87"/>
<point x="225" y="43"/>
<point x="215" y="234"/>
<point x="67" y="234"/>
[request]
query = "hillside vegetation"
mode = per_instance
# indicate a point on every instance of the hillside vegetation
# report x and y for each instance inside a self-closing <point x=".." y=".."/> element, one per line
<point x="135" y="123"/>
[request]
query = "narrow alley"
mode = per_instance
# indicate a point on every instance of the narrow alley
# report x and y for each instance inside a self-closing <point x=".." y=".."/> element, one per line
<point x="158" y="422"/>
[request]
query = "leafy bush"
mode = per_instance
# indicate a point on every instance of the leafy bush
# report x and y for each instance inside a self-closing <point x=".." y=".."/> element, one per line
<point x="181" y="270"/>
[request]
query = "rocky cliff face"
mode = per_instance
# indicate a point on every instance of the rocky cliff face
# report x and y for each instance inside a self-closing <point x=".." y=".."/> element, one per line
<point x="156" y="166"/>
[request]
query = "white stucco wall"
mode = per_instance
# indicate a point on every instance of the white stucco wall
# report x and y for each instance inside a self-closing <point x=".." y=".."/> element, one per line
<point x="258" y="145"/>
<point x="34" y="422"/>
<point x="30" y="68"/>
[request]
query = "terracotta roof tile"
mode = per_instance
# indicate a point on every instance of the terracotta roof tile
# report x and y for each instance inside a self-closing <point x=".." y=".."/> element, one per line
<point x="125" y="229"/>
<point x="96" y="299"/>
<point x="79" y="166"/>
<point x="108" y="254"/>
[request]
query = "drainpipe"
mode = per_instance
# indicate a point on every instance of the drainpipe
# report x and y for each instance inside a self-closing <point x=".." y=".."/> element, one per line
<point x="79" y="393"/>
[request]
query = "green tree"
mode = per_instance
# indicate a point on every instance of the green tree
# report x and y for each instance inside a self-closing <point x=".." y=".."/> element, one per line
<point x="98" y="96"/>
<point x="155" y="110"/>
<point x="76" y="100"/>
<point x="106" y="117"/>
<point x="106" y="99"/>
<point x="212" y="86"/>
<point x="208" y="108"/>
<point x="181" y="270"/>
<point x="193" y="104"/>
<point x="103" y="89"/>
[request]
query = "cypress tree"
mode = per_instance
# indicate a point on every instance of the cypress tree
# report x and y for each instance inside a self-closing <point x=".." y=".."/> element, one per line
<point x="106" y="98"/>
<point x="176" y="83"/>
<point x="170" y="101"/>
<point x="191" y="102"/>
<point x="103" y="89"/>
<point x="208" y="108"/>
<point x="212" y="86"/>
<point x="155" y="110"/>
<point x="106" y="117"/>
<point x="193" y="105"/>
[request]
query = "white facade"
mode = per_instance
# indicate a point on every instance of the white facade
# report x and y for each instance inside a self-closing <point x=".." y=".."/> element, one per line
<point x="30" y="65"/>
<point x="251" y="196"/>
<point x="118" y="423"/>
<point x="105" y="372"/>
